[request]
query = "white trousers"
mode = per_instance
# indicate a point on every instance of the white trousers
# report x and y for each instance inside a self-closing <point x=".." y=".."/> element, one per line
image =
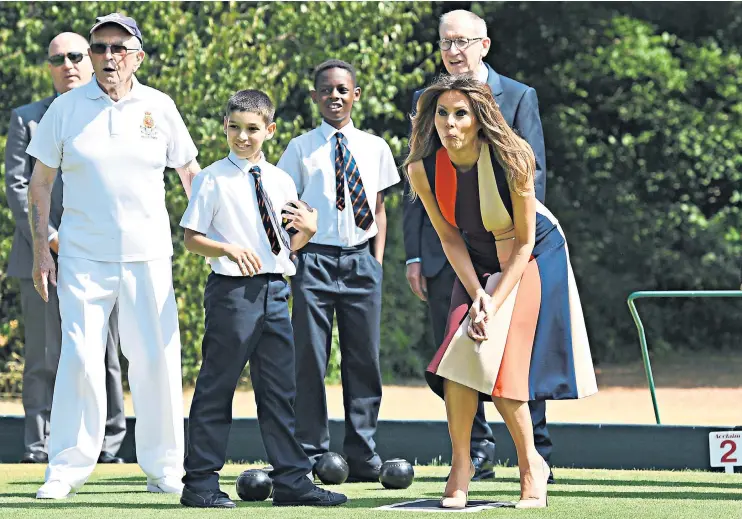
<point x="150" y="340"/>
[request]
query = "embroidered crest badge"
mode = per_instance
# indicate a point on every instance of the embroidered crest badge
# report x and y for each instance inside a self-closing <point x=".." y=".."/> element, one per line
<point x="148" y="127"/>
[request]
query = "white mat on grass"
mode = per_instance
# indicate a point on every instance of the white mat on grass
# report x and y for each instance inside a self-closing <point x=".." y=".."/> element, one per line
<point x="432" y="505"/>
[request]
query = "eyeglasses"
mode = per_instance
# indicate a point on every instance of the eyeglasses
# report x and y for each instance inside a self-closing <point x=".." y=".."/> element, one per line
<point x="119" y="50"/>
<point x="58" y="59"/>
<point x="461" y="43"/>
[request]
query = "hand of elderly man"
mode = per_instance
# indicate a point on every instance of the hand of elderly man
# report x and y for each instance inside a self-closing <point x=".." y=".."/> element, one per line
<point x="44" y="272"/>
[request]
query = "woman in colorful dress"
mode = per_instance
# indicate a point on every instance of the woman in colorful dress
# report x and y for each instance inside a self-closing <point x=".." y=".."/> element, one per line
<point x="515" y="328"/>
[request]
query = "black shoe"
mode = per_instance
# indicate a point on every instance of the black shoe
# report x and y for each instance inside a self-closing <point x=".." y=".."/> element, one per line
<point x="205" y="499"/>
<point x="315" y="497"/>
<point x="107" y="457"/>
<point x="366" y="475"/>
<point x="550" y="481"/>
<point x="35" y="457"/>
<point x="483" y="469"/>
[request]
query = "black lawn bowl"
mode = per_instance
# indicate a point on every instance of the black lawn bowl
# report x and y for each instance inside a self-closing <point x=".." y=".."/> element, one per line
<point x="254" y="485"/>
<point x="331" y="469"/>
<point x="396" y="474"/>
<point x="285" y="222"/>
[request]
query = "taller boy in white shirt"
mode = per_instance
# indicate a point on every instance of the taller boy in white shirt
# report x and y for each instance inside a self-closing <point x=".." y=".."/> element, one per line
<point x="342" y="172"/>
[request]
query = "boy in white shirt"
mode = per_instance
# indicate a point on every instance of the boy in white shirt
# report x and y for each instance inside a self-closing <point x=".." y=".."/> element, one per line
<point x="342" y="171"/>
<point x="230" y="219"/>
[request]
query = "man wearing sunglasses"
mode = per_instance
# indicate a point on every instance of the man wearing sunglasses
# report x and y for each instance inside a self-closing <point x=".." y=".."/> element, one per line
<point x="69" y="67"/>
<point x="464" y="44"/>
<point x="113" y="138"/>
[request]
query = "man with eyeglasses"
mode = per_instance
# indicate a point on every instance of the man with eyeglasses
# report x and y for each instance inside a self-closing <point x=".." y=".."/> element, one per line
<point x="464" y="44"/>
<point x="113" y="139"/>
<point x="69" y="67"/>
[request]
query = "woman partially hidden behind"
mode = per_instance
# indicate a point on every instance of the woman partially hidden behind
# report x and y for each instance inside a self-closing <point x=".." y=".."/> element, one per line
<point x="515" y="329"/>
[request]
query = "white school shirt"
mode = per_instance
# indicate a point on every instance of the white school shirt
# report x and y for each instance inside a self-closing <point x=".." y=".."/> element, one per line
<point x="113" y="156"/>
<point x="310" y="160"/>
<point x="224" y="207"/>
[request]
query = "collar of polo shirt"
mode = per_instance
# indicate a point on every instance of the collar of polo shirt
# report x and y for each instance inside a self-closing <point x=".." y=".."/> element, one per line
<point x="94" y="91"/>
<point x="329" y="131"/>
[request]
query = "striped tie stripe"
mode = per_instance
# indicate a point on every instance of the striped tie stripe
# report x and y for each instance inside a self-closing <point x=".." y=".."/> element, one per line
<point x="267" y="215"/>
<point x="346" y="171"/>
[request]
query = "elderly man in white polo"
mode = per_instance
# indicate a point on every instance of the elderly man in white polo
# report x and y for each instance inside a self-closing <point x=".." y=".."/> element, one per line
<point x="113" y="139"/>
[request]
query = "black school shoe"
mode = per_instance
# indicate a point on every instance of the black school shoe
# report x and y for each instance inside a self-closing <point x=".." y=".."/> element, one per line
<point x="315" y="497"/>
<point x="205" y="499"/>
<point x="35" y="457"/>
<point x="107" y="457"/>
<point x="366" y="475"/>
<point x="483" y="469"/>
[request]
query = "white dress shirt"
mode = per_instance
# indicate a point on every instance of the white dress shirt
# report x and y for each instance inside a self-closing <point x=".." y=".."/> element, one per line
<point x="482" y="73"/>
<point x="310" y="160"/>
<point x="224" y="207"/>
<point x="113" y="156"/>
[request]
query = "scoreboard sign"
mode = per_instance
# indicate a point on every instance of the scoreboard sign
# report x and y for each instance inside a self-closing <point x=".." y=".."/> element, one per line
<point x="725" y="449"/>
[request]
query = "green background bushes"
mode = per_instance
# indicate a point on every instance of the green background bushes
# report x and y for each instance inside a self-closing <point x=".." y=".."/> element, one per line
<point x="642" y="119"/>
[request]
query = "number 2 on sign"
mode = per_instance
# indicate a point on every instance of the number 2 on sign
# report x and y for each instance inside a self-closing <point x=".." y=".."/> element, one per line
<point x="727" y="456"/>
<point x="723" y="451"/>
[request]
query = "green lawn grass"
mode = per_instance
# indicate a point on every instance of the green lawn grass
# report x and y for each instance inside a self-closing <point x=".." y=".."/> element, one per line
<point x="115" y="492"/>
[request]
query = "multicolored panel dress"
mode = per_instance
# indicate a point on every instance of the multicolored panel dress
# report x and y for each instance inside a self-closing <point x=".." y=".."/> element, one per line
<point x="537" y="346"/>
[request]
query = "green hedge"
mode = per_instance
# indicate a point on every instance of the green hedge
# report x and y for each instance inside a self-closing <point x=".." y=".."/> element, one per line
<point x="641" y="114"/>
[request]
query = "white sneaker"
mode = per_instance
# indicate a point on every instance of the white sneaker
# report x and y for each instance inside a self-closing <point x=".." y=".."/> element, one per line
<point x="54" y="489"/>
<point x="165" y="486"/>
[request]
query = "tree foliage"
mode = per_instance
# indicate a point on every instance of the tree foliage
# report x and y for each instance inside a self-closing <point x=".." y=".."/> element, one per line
<point x="642" y="119"/>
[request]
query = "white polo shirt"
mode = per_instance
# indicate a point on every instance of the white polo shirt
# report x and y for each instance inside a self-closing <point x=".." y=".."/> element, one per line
<point x="310" y="160"/>
<point x="224" y="207"/>
<point x="113" y="156"/>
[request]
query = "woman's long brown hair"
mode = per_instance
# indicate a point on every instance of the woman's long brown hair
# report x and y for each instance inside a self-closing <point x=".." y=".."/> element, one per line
<point x="513" y="153"/>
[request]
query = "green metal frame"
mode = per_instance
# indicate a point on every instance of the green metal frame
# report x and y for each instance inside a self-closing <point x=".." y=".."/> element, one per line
<point x="640" y="326"/>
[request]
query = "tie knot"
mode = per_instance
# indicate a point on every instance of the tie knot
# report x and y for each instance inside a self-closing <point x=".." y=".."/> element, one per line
<point x="340" y="137"/>
<point x="255" y="170"/>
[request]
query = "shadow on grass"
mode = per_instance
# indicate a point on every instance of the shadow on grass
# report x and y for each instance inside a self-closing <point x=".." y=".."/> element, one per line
<point x="605" y="482"/>
<point x="72" y="504"/>
<point x="80" y="502"/>
<point x="644" y="483"/>
<point x="649" y="494"/>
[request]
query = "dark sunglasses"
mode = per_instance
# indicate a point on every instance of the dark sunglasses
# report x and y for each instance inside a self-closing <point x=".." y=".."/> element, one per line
<point x="101" y="48"/>
<point x="58" y="59"/>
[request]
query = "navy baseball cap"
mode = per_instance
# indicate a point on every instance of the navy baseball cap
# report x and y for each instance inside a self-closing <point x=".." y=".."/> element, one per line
<point x="125" y="22"/>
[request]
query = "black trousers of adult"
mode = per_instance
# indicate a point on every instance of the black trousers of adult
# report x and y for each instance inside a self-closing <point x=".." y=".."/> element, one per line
<point x="41" y="350"/>
<point x="247" y="320"/>
<point x="440" y="288"/>
<point x="345" y="282"/>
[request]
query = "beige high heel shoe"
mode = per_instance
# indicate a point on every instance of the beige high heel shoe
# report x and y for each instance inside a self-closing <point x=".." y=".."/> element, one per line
<point x="460" y="498"/>
<point x="541" y="501"/>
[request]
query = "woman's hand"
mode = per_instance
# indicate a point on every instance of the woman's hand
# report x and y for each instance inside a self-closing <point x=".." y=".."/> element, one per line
<point x="481" y="312"/>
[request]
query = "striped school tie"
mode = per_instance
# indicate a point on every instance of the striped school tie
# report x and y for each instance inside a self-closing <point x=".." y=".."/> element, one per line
<point x="346" y="169"/>
<point x="267" y="215"/>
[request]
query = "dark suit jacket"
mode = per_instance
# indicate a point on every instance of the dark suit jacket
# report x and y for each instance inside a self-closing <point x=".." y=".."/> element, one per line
<point x="18" y="169"/>
<point x="519" y="106"/>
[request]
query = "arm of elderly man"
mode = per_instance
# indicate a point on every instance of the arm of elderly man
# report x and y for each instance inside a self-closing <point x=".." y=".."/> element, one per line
<point x="187" y="173"/>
